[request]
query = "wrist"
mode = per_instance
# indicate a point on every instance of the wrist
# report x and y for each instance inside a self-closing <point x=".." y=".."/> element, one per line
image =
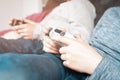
<point x="94" y="64"/>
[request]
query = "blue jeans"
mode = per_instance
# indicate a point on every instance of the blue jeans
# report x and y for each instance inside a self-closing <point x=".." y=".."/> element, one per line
<point x="35" y="67"/>
<point x="29" y="67"/>
<point x="49" y="67"/>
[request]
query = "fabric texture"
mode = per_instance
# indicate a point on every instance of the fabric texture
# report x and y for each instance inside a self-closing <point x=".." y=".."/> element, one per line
<point x="76" y="16"/>
<point x="106" y="41"/>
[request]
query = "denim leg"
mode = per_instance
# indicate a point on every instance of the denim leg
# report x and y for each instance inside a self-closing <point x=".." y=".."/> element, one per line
<point x="29" y="67"/>
<point x="73" y="75"/>
<point x="35" y="67"/>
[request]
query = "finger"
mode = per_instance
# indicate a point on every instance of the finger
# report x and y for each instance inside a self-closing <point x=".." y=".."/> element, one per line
<point x="49" y="46"/>
<point x="50" y="41"/>
<point x="26" y="37"/>
<point x="12" y="22"/>
<point x="49" y="50"/>
<point x="64" y="57"/>
<point x="13" y="28"/>
<point x="46" y="30"/>
<point x="63" y="50"/>
<point x="23" y="29"/>
<point x="19" y="31"/>
<point x="28" y="21"/>
<point x="23" y="34"/>
<point x="19" y="27"/>
<point x="66" y="63"/>
<point x="63" y="40"/>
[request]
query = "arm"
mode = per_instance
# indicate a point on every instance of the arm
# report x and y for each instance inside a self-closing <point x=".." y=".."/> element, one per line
<point x="78" y="55"/>
<point x="108" y="69"/>
<point x="82" y="19"/>
<point x="81" y="57"/>
<point x="106" y="40"/>
<point x="74" y="17"/>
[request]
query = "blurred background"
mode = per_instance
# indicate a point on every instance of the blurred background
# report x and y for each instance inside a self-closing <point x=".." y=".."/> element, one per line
<point x="22" y="8"/>
<point x="18" y="9"/>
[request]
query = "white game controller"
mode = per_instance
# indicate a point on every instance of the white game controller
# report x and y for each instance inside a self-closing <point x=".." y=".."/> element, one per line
<point x="58" y="32"/>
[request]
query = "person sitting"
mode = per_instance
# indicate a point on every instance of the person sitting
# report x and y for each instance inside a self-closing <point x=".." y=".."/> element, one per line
<point x="100" y="59"/>
<point x="36" y="17"/>
<point x="77" y="17"/>
<point x="97" y="60"/>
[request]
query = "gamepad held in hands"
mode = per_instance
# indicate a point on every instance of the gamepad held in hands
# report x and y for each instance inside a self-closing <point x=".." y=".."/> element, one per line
<point x="58" y="32"/>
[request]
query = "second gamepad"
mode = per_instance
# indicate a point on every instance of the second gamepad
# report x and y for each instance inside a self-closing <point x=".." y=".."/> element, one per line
<point x="15" y="22"/>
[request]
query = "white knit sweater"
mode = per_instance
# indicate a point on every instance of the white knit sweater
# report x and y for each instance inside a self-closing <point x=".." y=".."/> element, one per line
<point x="76" y="16"/>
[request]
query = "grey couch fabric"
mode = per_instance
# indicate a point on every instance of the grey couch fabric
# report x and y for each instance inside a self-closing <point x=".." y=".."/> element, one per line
<point x="102" y="5"/>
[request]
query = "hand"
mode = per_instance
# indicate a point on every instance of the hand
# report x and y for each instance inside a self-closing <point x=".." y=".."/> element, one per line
<point x="25" y="30"/>
<point x="78" y="55"/>
<point x="49" y="45"/>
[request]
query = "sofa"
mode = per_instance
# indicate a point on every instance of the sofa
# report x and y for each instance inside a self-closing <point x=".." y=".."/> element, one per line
<point x="102" y="5"/>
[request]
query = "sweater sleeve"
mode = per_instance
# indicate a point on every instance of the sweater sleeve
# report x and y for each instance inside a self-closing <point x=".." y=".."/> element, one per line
<point x="108" y="69"/>
<point x="38" y="32"/>
<point x="76" y="17"/>
<point x="105" y="39"/>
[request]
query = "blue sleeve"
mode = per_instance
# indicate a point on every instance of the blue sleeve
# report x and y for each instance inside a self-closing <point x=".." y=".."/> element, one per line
<point x="108" y="69"/>
<point x="106" y="40"/>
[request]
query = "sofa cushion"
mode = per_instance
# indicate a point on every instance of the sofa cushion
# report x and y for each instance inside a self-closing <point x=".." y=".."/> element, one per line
<point x="102" y="5"/>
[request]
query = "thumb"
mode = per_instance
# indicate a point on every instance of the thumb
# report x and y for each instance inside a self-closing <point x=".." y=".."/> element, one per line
<point x="29" y="21"/>
<point x="46" y="30"/>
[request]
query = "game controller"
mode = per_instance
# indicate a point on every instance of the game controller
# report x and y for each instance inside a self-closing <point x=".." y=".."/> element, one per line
<point x="16" y="22"/>
<point x="58" y="32"/>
